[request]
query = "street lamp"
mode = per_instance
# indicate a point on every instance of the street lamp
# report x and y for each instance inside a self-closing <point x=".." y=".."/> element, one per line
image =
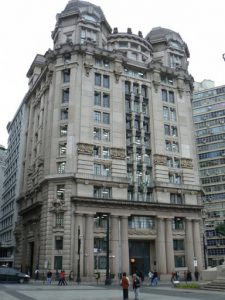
<point x="78" y="261"/>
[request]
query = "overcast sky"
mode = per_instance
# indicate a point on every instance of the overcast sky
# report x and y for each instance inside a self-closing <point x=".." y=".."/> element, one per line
<point x="26" y="25"/>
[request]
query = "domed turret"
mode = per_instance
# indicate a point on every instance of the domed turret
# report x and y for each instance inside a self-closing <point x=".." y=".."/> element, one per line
<point x="168" y="37"/>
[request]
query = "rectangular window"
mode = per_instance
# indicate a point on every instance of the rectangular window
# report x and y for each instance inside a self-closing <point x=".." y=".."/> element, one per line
<point x="65" y="95"/>
<point x="174" y="131"/>
<point x="106" y="135"/>
<point x="97" y="133"/>
<point x="97" y="116"/>
<point x="59" y="219"/>
<point x="63" y="130"/>
<point x="171" y="97"/>
<point x="100" y="244"/>
<point x="100" y="262"/>
<point x="62" y="149"/>
<point x="58" y="263"/>
<point x="164" y="95"/>
<point x="106" y="81"/>
<point x="60" y="192"/>
<point x="58" y="243"/>
<point x="97" y="151"/>
<point x="97" y="169"/>
<point x="166" y="129"/>
<point x="106" y="101"/>
<point x="179" y="261"/>
<point x="105" y="170"/>
<point x="98" y="79"/>
<point x="64" y="113"/>
<point x="97" y="99"/>
<point x="176" y="198"/>
<point x="175" y="178"/>
<point x="168" y="145"/>
<point x="178" y="223"/>
<point x="175" y="147"/>
<point x="106" y="118"/>
<point x="173" y="115"/>
<point x="106" y="153"/>
<point x="66" y="75"/>
<point x="165" y="113"/>
<point x="102" y="192"/>
<point x="178" y="245"/>
<point x="61" y="167"/>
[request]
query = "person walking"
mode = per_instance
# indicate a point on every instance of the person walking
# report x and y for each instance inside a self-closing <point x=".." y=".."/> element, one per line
<point x="155" y="279"/>
<point x="150" y="274"/>
<point x="36" y="272"/>
<point x="49" y="277"/>
<point x="136" y="286"/>
<point x="125" y="282"/>
<point x="62" y="278"/>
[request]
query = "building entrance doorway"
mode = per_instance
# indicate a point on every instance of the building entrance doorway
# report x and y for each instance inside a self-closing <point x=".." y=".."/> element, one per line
<point x="139" y="254"/>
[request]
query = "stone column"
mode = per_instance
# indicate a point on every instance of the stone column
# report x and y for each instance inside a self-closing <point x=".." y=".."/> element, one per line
<point x="198" y="244"/>
<point x="189" y="245"/>
<point x="115" y="260"/>
<point x="124" y="245"/>
<point x="78" y="227"/>
<point x="160" y="247"/>
<point x="169" y="246"/>
<point x="89" y="246"/>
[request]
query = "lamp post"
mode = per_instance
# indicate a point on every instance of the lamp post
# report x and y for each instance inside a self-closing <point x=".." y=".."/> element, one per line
<point x="78" y="261"/>
<point x="108" y="279"/>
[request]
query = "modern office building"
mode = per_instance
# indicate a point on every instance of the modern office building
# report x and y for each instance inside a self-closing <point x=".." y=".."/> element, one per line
<point x="110" y="177"/>
<point x="209" y="119"/>
<point x="10" y="188"/>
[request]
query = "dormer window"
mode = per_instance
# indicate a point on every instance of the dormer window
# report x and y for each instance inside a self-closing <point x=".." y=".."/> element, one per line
<point x="88" y="35"/>
<point x="89" y="18"/>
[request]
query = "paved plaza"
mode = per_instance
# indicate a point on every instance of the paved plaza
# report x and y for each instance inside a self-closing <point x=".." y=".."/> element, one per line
<point x="38" y="291"/>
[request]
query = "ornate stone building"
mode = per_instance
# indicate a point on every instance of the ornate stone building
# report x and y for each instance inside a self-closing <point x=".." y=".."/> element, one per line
<point x="109" y="140"/>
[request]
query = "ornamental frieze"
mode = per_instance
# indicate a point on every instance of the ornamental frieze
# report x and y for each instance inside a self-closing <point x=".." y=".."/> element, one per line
<point x="118" y="153"/>
<point x="84" y="148"/>
<point x="160" y="159"/>
<point x="186" y="163"/>
<point x="139" y="231"/>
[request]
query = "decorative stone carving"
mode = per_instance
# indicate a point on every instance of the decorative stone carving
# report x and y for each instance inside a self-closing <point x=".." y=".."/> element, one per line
<point x="142" y="232"/>
<point x="118" y="153"/>
<point x="84" y="148"/>
<point x="88" y="65"/>
<point x="58" y="204"/>
<point x="160" y="159"/>
<point x="118" y="71"/>
<point x="186" y="163"/>
<point x="88" y="68"/>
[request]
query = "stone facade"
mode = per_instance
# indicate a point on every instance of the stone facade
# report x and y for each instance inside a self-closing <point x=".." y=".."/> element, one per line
<point x="102" y="106"/>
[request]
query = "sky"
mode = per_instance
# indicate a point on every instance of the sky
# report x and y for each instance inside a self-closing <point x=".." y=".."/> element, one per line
<point x="26" y="26"/>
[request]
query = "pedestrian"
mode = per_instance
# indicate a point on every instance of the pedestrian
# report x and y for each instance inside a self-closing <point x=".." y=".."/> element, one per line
<point x="136" y="286"/>
<point x="155" y="279"/>
<point x="150" y="274"/>
<point x="49" y="277"/>
<point x="36" y="272"/>
<point x="196" y="275"/>
<point x="62" y="279"/>
<point x="125" y="282"/>
<point x="189" y="276"/>
<point x="71" y="276"/>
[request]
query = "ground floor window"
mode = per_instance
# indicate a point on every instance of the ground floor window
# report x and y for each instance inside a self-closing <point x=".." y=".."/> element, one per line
<point x="58" y="262"/>
<point x="179" y="261"/>
<point x="100" y="262"/>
